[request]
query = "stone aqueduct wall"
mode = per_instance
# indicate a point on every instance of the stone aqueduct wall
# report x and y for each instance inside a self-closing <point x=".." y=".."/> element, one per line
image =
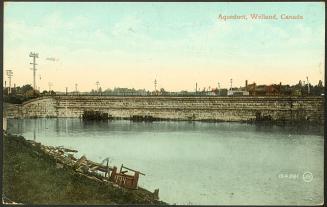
<point x="176" y="108"/>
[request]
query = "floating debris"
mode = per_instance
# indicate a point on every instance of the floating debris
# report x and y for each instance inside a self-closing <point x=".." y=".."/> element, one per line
<point x="91" y="169"/>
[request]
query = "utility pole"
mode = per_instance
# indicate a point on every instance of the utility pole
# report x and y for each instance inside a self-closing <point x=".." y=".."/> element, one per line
<point x="196" y="87"/>
<point x="218" y="88"/>
<point x="9" y="74"/>
<point x="308" y="85"/>
<point x="34" y="55"/>
<point x="50" y="84"/>
<point x="97" y="83"/>
<point x="155" y="85"/>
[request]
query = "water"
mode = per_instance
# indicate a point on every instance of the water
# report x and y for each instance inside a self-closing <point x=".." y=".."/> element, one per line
<point x="199" y="163"/>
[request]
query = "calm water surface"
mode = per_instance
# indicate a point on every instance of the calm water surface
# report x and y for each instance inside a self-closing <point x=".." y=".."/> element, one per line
<point x="196" y="162"/>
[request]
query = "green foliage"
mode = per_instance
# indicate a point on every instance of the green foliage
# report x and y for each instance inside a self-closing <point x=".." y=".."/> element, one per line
<point x="26" y="88"/>
<point x="19" y="95"/>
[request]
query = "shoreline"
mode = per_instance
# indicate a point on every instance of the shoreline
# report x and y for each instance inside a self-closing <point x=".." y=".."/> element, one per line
<point x="251" y="122"/>
<point x="56" y="183"/>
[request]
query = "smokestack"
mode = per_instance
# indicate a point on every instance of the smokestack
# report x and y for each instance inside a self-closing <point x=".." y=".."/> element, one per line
<point x="246" y="84"/>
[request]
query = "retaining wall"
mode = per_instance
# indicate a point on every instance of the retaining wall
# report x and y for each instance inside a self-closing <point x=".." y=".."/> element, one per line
<point x="177" y="108"/>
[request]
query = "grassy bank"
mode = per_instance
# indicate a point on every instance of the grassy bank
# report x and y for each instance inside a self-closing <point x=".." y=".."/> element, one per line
<point x="32" y="177"/>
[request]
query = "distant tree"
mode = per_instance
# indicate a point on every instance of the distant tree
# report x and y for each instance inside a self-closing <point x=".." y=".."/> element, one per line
<point x="318" y="89"/>
<point x="52" y="92"/>
<point x="20" y="94"/>
<point x="108" y="90"/>
<point x="300" y="83"/>
<point x="223" y="92"/>
<point x="26" y="88"/>
<point x="163" y="91"/>
<point x="32" y="94"/>
<point x="5" y="91"/>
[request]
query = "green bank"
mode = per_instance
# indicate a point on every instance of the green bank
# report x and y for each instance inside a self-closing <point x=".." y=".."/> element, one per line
<point x="31" y="176"/>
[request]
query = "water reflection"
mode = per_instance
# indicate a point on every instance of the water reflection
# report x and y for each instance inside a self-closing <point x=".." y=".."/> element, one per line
<point x="197" y="162"/>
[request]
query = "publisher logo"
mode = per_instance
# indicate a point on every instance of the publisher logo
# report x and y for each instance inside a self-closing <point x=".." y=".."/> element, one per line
<point x="307" y="177"/>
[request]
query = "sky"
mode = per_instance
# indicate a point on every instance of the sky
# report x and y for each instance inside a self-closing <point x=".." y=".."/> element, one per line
<point x="178" y="44"/>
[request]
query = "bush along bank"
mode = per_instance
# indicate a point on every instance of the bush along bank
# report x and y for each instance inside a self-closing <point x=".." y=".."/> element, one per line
<point x="38" y="174"/>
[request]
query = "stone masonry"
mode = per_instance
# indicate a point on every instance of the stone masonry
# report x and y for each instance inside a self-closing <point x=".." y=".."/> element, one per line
<point x="176" y="108"/>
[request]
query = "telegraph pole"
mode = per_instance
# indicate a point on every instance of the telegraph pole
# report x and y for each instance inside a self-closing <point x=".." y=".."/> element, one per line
<point x="97" y="83"/>
<point x="155" y="85"/>
<point x="308" y="85"/>
<point x="50" y="84"/>
<point x="9" y="74"/>
<point x="218" y="88"/>
<point x="196" y="87"/>
<point x="34" y="55"/>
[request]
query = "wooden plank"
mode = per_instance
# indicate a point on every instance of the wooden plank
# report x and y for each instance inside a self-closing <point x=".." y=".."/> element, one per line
<point x="122" y="166"/>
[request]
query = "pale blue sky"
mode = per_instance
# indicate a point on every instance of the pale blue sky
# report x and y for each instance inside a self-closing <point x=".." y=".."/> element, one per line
<point x="131" y="44"/>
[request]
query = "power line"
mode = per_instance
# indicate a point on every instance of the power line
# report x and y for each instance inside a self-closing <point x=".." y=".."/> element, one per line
<point x="34" y="55"/>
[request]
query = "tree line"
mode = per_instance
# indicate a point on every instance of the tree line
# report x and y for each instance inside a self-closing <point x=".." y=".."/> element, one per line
<point x="20" y="94"/>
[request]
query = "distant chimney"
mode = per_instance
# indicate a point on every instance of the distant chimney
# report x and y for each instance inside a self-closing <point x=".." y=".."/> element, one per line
<point x="246" y="83"/>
